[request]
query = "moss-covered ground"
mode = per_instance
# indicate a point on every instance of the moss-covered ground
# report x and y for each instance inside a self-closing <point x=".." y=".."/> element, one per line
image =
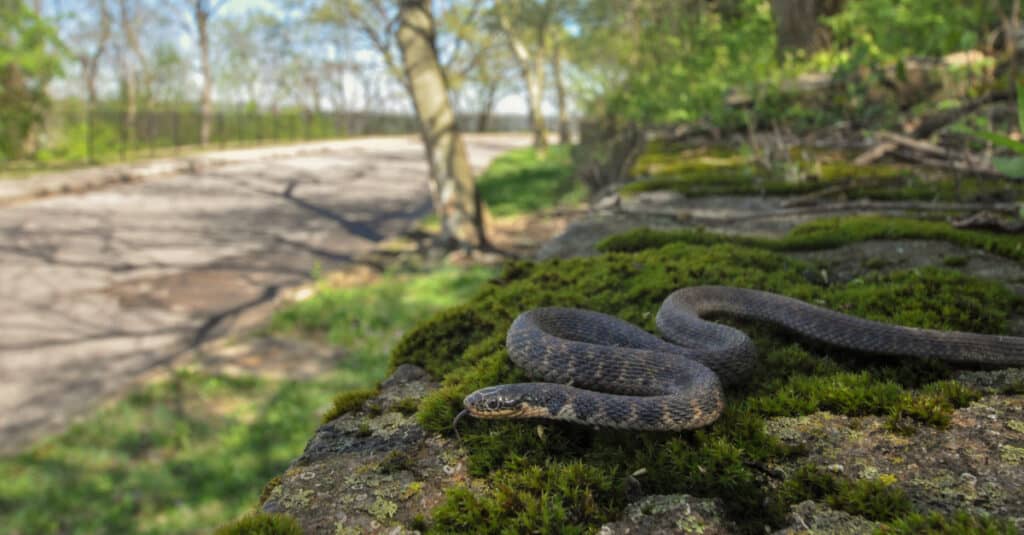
<point x="721" y="171"/>
<point x="562" y="478"/>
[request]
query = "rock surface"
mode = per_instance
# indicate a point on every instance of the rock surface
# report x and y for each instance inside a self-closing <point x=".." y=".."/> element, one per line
<point x="976" y="464"/>
<point x="372" y="470"/>
<point x="671" y="513"/>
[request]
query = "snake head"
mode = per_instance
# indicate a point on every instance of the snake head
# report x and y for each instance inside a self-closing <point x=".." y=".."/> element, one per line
<point x="494" y="402"/>
<point x="502" y="401"/>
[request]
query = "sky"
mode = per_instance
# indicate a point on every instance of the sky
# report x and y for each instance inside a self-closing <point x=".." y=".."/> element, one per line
<point x="511" y="104"/>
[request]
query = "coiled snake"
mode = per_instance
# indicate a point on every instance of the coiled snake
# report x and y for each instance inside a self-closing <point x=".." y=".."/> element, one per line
<point x="600" y="370"/>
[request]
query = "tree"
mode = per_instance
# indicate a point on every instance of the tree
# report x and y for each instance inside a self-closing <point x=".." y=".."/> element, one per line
<point x="202" y="12"/>
<point x="797" y="26"/>
<point x="30" y="56"/>
<point x="92" y="37"/>
<point x="522" y="21"/>
<point x="454" y="188"/>
<point x="563" y="109"/>
<point x="480" y="66"/>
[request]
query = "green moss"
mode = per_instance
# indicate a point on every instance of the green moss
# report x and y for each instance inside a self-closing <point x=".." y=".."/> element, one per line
<point x="959" y="523"/>
<point x="827" y="233"/>
<point x="348" y="401"/>
<point x="720" y="171"/>
<point x="558" y="497"/>
<point x="260" y="523"/>
<point x="873" y="499"/>
<point x="526" y="465"/>
<point x="955" y="261"/>
<point x="268" y="488"/>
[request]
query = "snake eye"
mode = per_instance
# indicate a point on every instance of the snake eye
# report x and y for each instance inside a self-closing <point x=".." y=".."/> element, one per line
<point x="492" y="404"/>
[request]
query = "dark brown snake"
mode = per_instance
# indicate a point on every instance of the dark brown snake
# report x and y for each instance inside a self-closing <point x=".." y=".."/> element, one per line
<point x="601" y="370"/>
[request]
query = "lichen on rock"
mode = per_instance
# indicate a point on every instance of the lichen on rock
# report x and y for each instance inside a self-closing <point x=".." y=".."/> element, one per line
<point x="373" y="469"/>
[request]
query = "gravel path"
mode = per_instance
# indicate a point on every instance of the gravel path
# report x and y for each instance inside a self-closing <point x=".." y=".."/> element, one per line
<point x="98" y="288"/>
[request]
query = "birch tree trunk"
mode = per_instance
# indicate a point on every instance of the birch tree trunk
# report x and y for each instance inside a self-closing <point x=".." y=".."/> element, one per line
<point x="532" y="70"/>
<point x="452" y="184"/>
<point x="563" y="111"/>
<point x="128" y="75"/>
<point x="202" y="16"/>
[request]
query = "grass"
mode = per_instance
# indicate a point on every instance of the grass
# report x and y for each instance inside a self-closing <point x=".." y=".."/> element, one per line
<point x="568" y="478"/>
<point x="193" y="451"/>
<point x="518" y="182"/>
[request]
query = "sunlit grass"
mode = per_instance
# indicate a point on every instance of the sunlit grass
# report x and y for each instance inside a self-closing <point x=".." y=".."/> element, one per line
<point x="192" y="451"/>
<point x="519" y="182"/>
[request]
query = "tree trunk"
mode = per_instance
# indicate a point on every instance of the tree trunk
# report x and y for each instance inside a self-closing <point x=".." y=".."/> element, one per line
<point x="483" y="119"/>
<point x="532" y="70"/>
<point x="452" y="184"/>
<point x="563" y="111"/>
<point x="128" y="77"/>
<point x="206" y="101"/>
<point x="796" y="26"/>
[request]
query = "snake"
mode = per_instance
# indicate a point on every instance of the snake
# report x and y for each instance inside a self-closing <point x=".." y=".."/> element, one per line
<point x="602" y="371"/>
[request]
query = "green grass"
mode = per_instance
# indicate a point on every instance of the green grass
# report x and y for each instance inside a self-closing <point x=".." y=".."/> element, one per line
<point x="191" y="452"/>
<point x="518" y="182"/>
<point x="567" y="478"/>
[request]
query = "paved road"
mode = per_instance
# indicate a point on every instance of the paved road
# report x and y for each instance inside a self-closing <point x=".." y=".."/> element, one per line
<point x="98" y="288"/>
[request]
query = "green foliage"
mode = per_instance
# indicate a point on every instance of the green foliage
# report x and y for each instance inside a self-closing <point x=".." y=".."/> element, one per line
<point x="958" y="523"/>
<point x="827" y="233"/>
<point x="520" y="460"/>
<point x="519" y="182"/>
<point x="260" y="523"/>
<point x="674" y="61"/>
<point x="872" y="499"/>
<point x="29" y="58"/>
<point x="1010" y="166"/>
<point x="891" y="30"/>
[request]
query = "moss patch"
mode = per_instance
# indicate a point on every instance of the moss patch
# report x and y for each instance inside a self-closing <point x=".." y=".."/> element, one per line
<point x="722" y="171"/>
<point x="827" y="233"/>
<point x="873" y="499"/>
<point x="574" y="477"/>
<point x="261" y="524"/>
<point x="347" y="401"/>
<point x="959" y="523"/>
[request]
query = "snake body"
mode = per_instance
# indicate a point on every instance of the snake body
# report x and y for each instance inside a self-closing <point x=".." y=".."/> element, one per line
<point x="600" y="370"/>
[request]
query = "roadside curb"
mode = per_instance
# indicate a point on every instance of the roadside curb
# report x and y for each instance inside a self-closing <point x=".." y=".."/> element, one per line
<point x="87" y="179"/>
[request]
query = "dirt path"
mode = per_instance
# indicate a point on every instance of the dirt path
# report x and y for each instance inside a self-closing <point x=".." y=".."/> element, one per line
<point x="99" y="288"/>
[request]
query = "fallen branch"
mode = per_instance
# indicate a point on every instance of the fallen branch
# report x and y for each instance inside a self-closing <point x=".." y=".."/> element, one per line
<point x="953" y="165"/>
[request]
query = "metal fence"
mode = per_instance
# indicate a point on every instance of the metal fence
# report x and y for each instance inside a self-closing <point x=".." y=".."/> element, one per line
<point x="74" y="135"/>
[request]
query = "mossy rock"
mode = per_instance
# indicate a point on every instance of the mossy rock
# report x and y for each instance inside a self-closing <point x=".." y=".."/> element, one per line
<point x="724" y="171"/>
<point x="553" y="476"/>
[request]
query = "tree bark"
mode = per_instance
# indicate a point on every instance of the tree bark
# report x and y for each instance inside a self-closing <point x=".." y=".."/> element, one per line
<point x="128" y="75"/>
<point x="202" y="16"/>
<point x="452" y="184"/>
<point x="90" y="62"/>
<point x="563" y="111"/>
<point x="483" y="118"/>
<point x="532" y="70"/>
<point x="796" y="24"/>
